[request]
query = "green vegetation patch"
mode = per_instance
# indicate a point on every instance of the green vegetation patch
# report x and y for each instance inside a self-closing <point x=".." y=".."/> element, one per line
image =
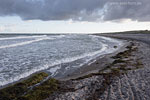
<point x="42" y="91"/>
<point x="35" y="79"/>
<point x="22" y="90"/>
<point x="127" y="53"/>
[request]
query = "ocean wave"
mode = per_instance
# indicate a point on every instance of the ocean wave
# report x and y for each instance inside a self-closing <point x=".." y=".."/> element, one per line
<point x="59" y="36"/>
<point x="22" y="37"/>
<point x="112" y="40"/>
<point x="23" y="43"/>
<point x="48" y="65"/>
<point x="90" y="55"/>
<point x="36" y="39"/>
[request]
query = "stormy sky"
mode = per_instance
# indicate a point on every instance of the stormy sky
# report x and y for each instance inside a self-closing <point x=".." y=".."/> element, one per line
<point x="80" y="10"/>
<point x="77" y="10"/>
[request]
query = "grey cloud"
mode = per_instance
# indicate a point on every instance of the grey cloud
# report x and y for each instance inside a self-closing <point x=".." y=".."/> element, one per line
<point x="133" y="9"/>
<point x="79" y="10"/>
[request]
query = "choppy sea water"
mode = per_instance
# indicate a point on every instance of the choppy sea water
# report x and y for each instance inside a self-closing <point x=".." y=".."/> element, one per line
<point x="23" y="55"/>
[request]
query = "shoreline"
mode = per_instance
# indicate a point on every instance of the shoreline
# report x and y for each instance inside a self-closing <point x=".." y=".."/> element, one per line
<point x="22" y="79"/>
<point x="67" y="75"/>
<point x="74" y="74"/>
<point x="127" y="78"/>
<point x="128" y="68"/>
<point x="103" y="61"/>
<point x="93" y="85"/>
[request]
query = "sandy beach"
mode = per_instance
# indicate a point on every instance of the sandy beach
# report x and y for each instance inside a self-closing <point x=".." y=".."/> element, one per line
<point x="122" y="75"/>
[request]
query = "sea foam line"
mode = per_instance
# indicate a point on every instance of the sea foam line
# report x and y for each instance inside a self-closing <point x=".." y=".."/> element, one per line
<point x="22" y="37"/>
<point x="30" y="37"/>
<point x="23" y="43"/>
<point x="39" y="38"/>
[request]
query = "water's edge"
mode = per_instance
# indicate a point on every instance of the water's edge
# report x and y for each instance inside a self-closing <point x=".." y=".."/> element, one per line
<point x="90" y="61"/>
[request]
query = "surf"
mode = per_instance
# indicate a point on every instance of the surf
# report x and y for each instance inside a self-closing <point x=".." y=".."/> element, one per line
<point x="50" y="53"/>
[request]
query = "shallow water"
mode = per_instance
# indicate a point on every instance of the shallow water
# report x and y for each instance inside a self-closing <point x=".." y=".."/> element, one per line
<point x="23" y="55"/>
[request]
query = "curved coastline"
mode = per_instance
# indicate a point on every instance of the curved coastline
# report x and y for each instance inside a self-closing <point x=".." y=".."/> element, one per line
<point x="84" y="72"/>
<point x="105" y="50"/>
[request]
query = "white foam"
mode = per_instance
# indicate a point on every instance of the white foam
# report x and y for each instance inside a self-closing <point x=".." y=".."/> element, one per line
<point x="107" y="38"/>
<point x="67" y="60"/>
<point x="37" y="38"/>
<point x="59" y="36"/>
<point x="22" y="37"/>
<point x="23" y="43"/>
<point x="53" y="70"/>
<point x="112" y="40"/>
<point x="94" y="36"/>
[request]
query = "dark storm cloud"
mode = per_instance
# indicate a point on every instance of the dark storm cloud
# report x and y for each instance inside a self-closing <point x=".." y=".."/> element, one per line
<point x="80" y="10"/>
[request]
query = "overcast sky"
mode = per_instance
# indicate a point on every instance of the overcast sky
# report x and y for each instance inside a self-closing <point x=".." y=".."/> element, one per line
<point x="73" y="16"/>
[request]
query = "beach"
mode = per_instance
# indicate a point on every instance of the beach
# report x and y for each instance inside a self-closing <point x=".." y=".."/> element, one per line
<point x="123" y="74"/>
<point x="127" y="79"/>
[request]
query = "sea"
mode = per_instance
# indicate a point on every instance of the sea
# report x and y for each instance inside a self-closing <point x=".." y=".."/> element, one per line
<point x="57" y="54"/>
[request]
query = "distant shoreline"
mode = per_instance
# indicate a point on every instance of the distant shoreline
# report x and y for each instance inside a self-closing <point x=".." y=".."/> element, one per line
<point x="121" y="32"/>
